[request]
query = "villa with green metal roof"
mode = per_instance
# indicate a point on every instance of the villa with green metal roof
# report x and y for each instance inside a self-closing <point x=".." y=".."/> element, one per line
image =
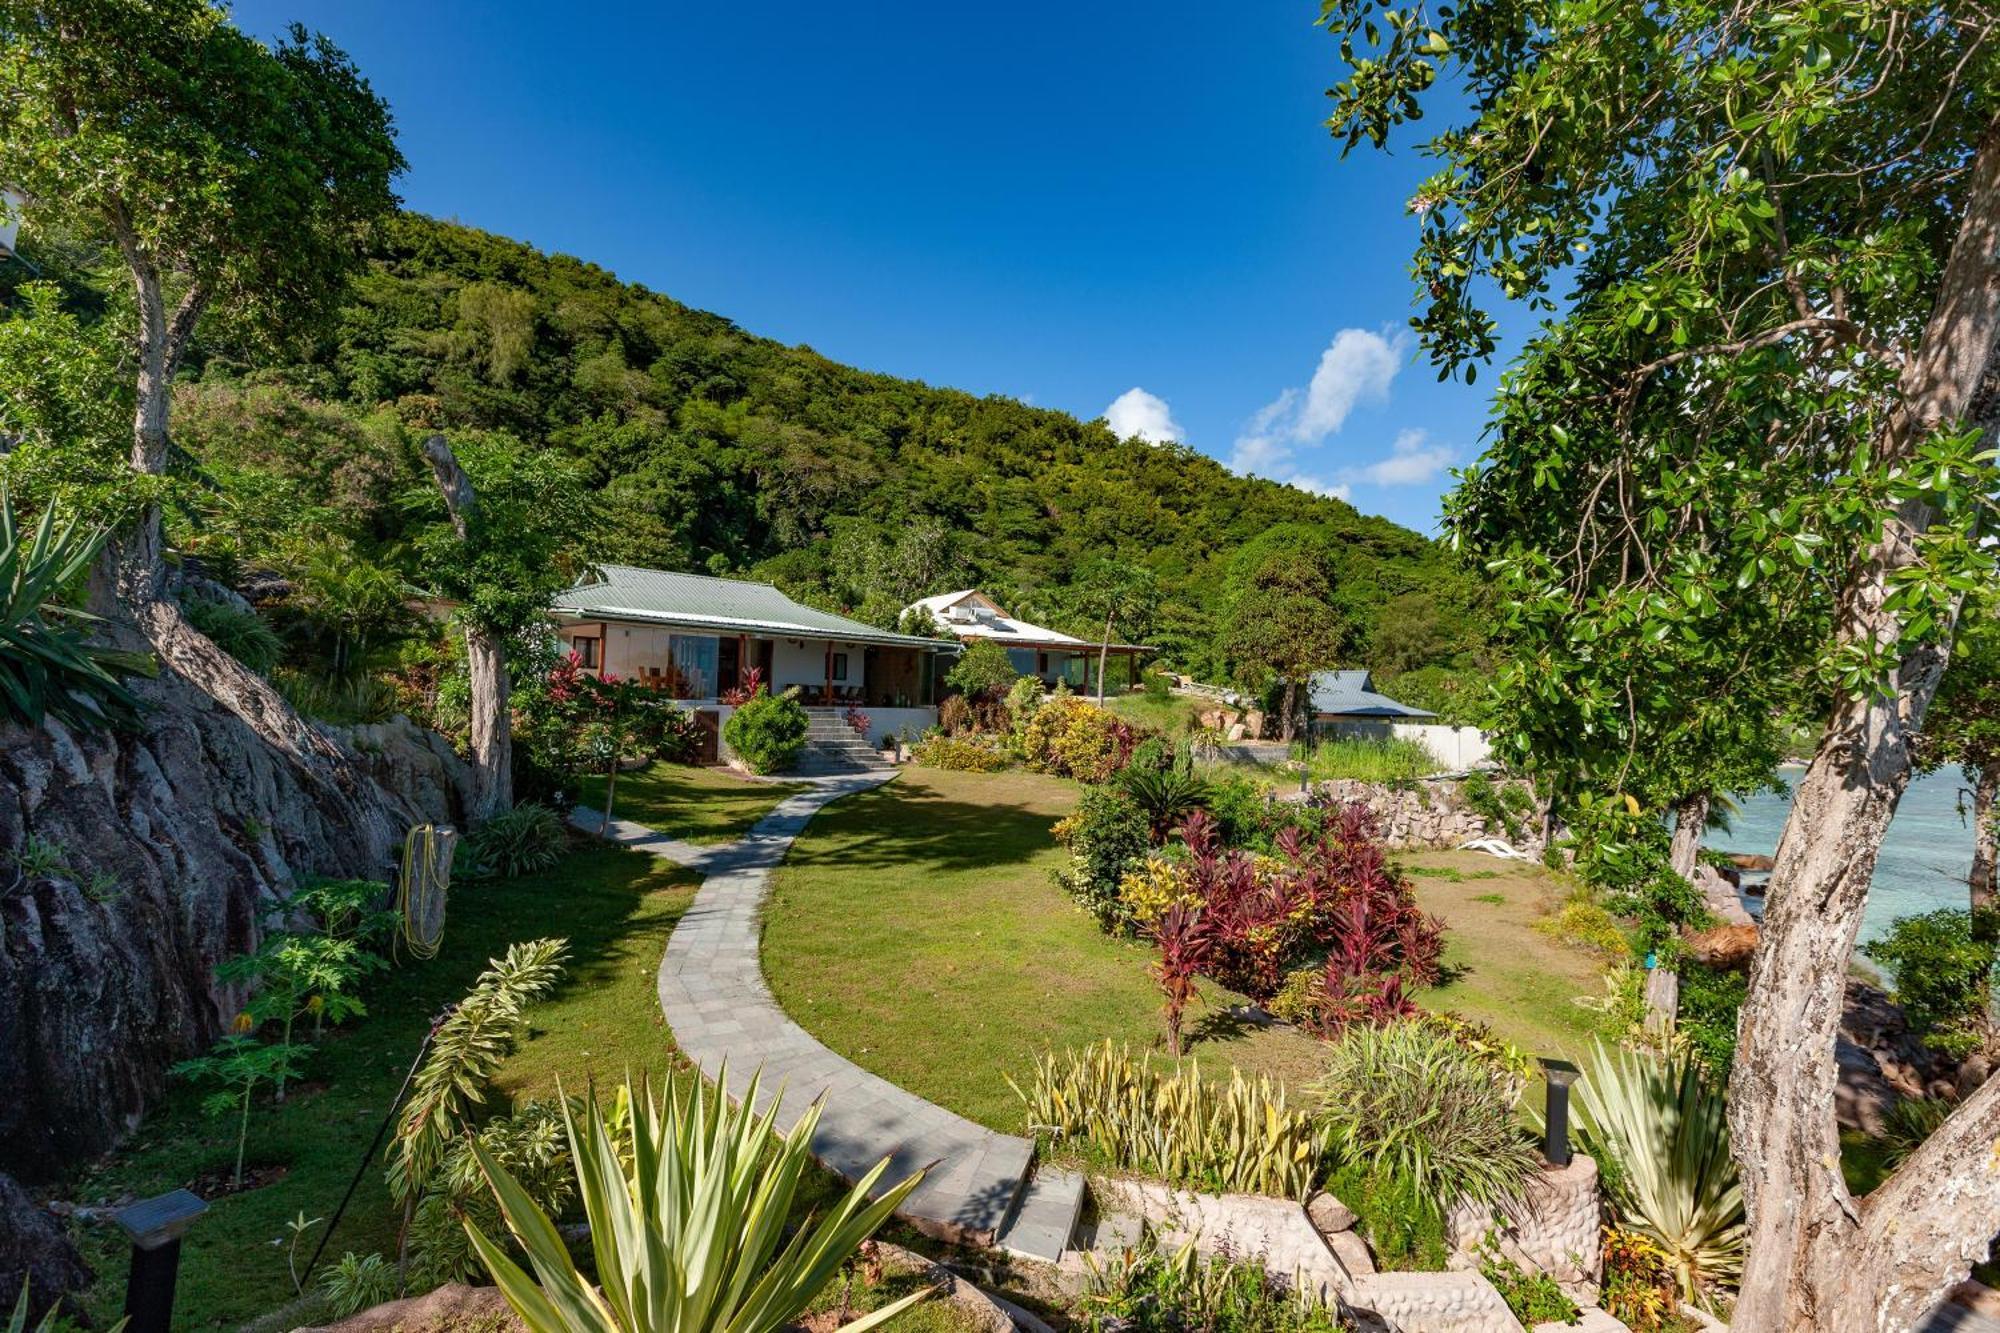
<point x="698" y="638"/>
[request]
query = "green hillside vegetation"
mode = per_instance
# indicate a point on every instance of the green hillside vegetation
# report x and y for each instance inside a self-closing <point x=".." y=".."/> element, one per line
<point x="713" y="450"/>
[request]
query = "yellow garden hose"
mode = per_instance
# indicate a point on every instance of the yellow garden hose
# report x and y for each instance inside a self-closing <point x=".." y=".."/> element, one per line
<point x="427" y="853"/>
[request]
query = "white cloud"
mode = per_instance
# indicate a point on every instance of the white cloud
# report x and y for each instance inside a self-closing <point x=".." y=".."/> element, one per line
<point x="1136" y="414"/>
<point x="1412" y="461"/>
<point x="1356" y="367"/>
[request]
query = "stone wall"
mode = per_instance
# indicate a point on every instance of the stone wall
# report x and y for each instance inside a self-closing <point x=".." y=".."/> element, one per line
<point x="1553" y="1229"/>
<point x="171" y="838"/>
<point x="1433" y="812"/>
<point x="1436" y="1303"/>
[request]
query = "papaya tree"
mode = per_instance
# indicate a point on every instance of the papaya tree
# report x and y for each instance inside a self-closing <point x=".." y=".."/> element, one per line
<point x="1752" y="436"/>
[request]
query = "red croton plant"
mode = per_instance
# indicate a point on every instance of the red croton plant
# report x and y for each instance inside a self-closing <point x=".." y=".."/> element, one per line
<point x="1249" y="920"/>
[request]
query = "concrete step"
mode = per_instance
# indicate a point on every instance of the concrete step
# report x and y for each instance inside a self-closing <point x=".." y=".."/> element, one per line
<point x="1044" y="1215"/>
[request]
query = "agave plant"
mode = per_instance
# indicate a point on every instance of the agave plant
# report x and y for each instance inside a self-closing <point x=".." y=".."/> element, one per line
<point x="1665" y="1130"/>
<point x="48" y="666"/>
<point x="688" y="1212"/>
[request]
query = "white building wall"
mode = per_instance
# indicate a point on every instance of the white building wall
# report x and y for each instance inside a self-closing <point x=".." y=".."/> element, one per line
<point x="796" y="662"/>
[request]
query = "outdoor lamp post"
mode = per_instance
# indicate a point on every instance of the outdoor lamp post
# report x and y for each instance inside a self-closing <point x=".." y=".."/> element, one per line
<point x="155" y="1227"/>
<point x="1559" y="1074"/>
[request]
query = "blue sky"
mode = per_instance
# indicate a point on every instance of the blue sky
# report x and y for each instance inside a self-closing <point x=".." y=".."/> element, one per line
<point x="1063" y="202"/>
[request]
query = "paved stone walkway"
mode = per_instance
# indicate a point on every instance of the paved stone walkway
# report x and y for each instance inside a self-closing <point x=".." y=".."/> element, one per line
<point x="713" y="994"/>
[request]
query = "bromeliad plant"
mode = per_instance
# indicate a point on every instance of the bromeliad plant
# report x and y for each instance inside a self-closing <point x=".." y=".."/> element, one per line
<point x="1665" y="1129"/>
<point x="688" y="1219"/>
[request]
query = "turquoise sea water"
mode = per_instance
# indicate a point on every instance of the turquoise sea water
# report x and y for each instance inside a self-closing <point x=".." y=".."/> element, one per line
<point x="1925" y="856"/>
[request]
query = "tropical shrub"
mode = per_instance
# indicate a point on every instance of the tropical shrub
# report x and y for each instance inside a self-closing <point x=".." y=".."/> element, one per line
<point x="1329" y="887"/>
<point x="1584" y="921"/>
<point x="1413" y="1101"/>
<point x="1024" y="697"/>
<point x="1661" y="1130"/>
<point x="768" y="732"/>
<point x="955" y="716"/>
<point x="1154" y="885"/>
<point x="688" y="1210"/>
<point x="1150" y="1291"/>
<point x="238" y="631"/>
<point x="1159" y="686"/>
<point x="1404" y="1227"/>
<point x="1622" y="852"/>
<point x="1535" y="1298"/>
<point x="1942" y="967"/>
<point x="1107" y="837"/>
<point x="1640" y="1288"/>
<point x="1238" y="806"/>
<point x="468" y="1049"/>
<point x="1185" y="945"/>
<point x="1167" y="796"/>
<point x="1504" y="807"/>
<point x="1710" y="999"/>
<point x="960" y="754"/>
<point x="533" y="1145"/>
<point x="1243" y="1137"/>
<point x="48" y="665"/>
<point x="528" y="838"/>
<point x="357" y="1283"/>
<point x="749" y="681"/>
<point x="1074" y="738"/>
<point x="982" y="669"/>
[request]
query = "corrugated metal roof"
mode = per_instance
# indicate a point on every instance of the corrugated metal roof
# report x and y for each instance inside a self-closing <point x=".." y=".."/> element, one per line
<point x="1352" y="694"/>
<point x="997" y="624"/>
<point x="698" y="601"/>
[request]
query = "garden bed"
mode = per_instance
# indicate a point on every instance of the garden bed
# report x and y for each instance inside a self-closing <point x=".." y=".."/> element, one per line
<point x="615" y="907"/>
<point x="917" y="931"/>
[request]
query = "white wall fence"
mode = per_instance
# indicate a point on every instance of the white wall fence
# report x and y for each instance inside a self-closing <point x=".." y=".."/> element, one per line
<point x="1456" y="748"/>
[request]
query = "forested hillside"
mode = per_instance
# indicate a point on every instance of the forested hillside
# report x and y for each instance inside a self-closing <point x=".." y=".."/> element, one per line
<point x="711" y="449"/>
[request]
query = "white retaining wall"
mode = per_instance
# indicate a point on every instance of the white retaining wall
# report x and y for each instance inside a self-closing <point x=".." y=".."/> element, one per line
<point x="1456" y="748"/>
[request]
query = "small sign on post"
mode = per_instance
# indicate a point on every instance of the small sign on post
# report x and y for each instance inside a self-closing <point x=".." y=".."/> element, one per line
<point x="155" y="1227"/>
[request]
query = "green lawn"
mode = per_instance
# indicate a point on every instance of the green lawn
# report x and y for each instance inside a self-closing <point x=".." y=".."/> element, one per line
<point x="1501" y="970"/>
<point x="697" y="804"/>
<point x="615" y="907"/>
<point x="915" y="929"/>
<point x="1170" y="714"/>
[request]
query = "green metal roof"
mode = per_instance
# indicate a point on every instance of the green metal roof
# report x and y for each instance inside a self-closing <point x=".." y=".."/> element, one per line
<point x="723" y="606"/>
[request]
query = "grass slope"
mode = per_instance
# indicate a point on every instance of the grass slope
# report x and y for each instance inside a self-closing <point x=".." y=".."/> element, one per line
<point x="703" y="805"/>
<point x="615" y="907"/>
<point x="1500" y="969"/>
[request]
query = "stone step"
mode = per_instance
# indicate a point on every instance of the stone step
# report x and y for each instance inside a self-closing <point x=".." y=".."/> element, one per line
<point x="1044" y="1215"/>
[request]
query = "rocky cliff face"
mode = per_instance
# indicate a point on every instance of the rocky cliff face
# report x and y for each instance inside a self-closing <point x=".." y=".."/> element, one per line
<point x="131" y="865"/>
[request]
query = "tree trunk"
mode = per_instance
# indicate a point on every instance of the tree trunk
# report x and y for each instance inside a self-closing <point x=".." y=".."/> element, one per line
<point x="128" y="586"/>
<point x="1985" y="838"/>
<point x="492" y="723"/>
<point x="1289" y="704"/>
<point x="1103" y="659"/>
<point x="1821" y="1261"/>
<point x="1690" y="822"/>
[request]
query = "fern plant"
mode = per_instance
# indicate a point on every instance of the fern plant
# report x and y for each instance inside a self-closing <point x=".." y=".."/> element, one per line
<point x="688" y="1219"/>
